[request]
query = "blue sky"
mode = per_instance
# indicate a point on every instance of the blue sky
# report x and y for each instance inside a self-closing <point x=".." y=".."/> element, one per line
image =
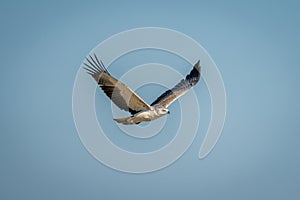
<point x="256" y="48"/>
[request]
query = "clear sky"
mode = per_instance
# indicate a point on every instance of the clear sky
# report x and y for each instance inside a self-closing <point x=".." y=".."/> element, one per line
<point x="256" y="48"/>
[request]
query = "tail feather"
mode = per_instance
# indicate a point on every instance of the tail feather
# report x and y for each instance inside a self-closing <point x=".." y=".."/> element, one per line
<point x="128" y="120"/>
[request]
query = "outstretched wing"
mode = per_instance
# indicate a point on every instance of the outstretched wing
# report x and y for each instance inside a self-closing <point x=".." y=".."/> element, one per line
<point x="180" y="89"/>
<point x="120" y="94"/>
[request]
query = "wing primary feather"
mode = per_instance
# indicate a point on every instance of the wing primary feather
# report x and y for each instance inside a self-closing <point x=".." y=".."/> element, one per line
<point x="180" y="89"/>
<point x="90" y="68"/>
<point x="98" y="63"/>
<point x="95" y="64"/>
<point x="101" y="65"/>
<point x="92" y="64"/>
<point x="89" y="73"/>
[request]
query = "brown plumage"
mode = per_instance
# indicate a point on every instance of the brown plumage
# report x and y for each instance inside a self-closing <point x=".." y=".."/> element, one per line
<point x="128" y="100"/>
<point x="119" y="93"/>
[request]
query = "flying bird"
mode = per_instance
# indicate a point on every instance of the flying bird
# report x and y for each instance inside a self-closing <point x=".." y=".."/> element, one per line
<point x="126" y="99"/>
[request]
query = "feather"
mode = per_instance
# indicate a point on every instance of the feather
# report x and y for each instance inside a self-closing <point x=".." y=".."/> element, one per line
<point x="121" y="95"/>
<point x="168" y="97"/>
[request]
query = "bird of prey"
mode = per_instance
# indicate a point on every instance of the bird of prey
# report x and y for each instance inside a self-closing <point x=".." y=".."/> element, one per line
<point x="126" y="99"/>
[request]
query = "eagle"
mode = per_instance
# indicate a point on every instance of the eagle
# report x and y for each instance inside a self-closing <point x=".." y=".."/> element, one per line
<point x="126" y="99"/>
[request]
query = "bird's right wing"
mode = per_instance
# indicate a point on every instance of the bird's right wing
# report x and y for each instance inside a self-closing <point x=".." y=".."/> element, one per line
<point x="180" y="89"/>
<point x="120" y="94"/>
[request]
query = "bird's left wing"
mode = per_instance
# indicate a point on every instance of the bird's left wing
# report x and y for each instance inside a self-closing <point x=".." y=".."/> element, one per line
<point x="180" y="89"/>
<point x="120" y="94"/>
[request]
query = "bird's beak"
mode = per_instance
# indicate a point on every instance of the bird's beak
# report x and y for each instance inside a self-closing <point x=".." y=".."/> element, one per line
<point x="168" y="112"/>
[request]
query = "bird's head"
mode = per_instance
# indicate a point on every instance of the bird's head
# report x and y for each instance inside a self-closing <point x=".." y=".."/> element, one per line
<point x="162" y="111"/>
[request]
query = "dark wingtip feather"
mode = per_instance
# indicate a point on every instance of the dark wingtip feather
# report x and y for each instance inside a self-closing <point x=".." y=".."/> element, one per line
<point x="197" y="65"/>
<point x="94" y="67"/>
<point x="190" y="80"/>
<point x="194" y="76"/>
